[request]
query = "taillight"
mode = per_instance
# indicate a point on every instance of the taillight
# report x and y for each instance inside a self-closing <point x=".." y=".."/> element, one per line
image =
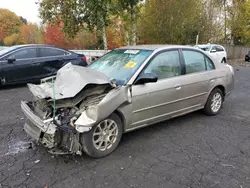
<point x="84" y="58"/>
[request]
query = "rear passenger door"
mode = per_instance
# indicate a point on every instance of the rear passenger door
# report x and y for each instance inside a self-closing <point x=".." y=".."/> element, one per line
<point x="51" y="60"/>
<point x="199" y="78"/>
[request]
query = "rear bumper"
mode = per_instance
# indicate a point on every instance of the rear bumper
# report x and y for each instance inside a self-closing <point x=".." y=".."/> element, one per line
<point x="35" y="126"/>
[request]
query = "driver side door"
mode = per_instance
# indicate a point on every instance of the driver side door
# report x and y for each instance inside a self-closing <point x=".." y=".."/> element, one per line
<point x="154" y="102"/>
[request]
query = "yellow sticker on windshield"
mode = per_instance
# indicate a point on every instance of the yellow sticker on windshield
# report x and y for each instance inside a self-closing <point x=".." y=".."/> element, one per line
<point x="130" y="65"/>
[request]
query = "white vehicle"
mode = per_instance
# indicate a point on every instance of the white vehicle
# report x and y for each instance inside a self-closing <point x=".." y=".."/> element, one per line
<point x="217" y="52"/>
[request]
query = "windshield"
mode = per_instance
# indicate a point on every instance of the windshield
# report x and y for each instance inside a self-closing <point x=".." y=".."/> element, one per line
<point x="7" y="49"/>
<point x="120" y="64"/>
<point x="205" y="48"/>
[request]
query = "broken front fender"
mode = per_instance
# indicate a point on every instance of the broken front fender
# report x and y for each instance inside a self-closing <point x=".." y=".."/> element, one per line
<point x="96" y="113"/>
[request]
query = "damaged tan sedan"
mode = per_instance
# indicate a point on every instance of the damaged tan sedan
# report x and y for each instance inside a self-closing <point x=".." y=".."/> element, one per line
<point x="88" y="109"/>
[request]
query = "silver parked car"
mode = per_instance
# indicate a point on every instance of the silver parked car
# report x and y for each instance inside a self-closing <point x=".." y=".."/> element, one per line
<point x="88" y="109"/>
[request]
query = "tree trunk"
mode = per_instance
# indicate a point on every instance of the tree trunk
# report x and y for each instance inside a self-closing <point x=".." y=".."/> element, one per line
<point x="104" y="38"/>
<point x="127" y="37"/>
<point x="133" y="24"/>
<point x="225" y="22"/>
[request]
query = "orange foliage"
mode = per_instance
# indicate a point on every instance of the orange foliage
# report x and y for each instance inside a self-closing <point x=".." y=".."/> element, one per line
<point x="30" y="34"/>
<point x="54" y="36"/>
<point x="9" y="23"/>
<point x="12" y="39"/>
<point x="115" y="34"/>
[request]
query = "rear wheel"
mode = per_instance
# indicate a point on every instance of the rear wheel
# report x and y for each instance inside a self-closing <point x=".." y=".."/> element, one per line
<point x="104" y="137"/>
<point x="214" y="102"/>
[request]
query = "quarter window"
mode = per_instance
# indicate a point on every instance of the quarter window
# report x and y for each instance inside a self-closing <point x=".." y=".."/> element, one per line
<point x="23" y="54"/>
<point x="165" y="65"/>
<point x="47" y="52"/>
<point x="194" y="61"/>
<point x="209" y="64"/>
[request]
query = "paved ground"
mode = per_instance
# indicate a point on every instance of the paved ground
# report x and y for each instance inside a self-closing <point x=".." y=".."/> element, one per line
<point x="192" y="151"/>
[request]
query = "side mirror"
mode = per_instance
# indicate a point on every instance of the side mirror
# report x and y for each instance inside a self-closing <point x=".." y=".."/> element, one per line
<point x="11" y="60"/>
<point x="146" y="78"/>
<point x="213" y="51"/>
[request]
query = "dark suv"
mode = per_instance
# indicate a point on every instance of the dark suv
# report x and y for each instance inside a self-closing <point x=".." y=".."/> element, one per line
<point x="28" y="63"/>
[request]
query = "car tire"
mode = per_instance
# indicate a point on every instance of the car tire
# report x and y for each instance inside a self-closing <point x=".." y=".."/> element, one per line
<point x="103" y="138"/>
<point x="214" y="102"/>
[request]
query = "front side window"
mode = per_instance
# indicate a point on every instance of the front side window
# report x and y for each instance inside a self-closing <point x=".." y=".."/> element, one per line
<point x="48" y="52"/>
<point x="23" y="54"/>
<point x="165" y="65"/>
<point x="194" y="61"/>
<point x="120" y="64"/>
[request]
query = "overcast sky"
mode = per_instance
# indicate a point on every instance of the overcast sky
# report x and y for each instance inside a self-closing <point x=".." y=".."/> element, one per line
<point x="25" y="8"/>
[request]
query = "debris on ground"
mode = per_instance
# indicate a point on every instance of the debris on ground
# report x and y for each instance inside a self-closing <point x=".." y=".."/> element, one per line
<point x="37" y="161"/>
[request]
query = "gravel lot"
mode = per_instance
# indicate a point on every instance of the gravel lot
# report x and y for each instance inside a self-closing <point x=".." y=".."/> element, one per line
<point x="192" y="151"/>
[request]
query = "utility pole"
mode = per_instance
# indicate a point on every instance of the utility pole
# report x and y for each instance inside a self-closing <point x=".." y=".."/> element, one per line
<point x="197" y="38"/>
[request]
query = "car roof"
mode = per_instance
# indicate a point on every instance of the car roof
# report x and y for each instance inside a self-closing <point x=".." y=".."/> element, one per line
<point x="33" y="45"/>
<point x="154" y="47"/>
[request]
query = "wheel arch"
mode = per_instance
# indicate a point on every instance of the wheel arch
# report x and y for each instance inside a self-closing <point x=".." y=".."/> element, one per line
<point x="122" y="117"/>
<point x="222" y="88"/>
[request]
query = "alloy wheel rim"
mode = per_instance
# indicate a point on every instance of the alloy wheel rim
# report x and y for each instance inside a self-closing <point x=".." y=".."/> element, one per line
<point x="216" y="102"/>
<point x="105" y="135"/>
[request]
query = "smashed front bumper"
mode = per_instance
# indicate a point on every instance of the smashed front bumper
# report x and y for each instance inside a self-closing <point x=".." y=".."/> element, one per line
<point x="48" y="134"/>
<point x="34" y="126"/>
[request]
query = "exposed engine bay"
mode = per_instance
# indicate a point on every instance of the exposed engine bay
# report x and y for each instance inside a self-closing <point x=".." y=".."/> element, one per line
<point x="70" y="104"/>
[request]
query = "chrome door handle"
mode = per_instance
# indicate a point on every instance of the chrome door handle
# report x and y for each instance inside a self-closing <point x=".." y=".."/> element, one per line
<point x="177" y="87"/>
<point x="212" y="80"/>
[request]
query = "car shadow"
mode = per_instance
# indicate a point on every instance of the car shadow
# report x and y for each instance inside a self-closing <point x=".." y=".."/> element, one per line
<point x="14" y="86"/>
<point x="159" y="127"/>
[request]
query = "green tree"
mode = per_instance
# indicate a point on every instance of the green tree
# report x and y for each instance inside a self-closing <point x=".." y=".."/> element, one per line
<point x="132" y="8"/>
<point x="169" y="21"/>
<point x="77" y="14"/>
<point x="239" y="22"/>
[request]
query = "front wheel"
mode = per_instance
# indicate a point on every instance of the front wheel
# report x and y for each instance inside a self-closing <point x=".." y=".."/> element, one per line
<point x="103" y="138"/>
<point x="214" y="102"/>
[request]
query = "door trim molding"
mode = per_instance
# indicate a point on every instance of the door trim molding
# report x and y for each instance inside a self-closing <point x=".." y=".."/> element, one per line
<point x="167" y="103"/>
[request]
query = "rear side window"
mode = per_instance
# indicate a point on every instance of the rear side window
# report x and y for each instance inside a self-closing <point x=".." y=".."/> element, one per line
<point x="196" y="62"/>
<point x="23" y="54"/>
<point x="48" y="52"/>
<point x="219" y="49"/>
<point x="209" y="64"/>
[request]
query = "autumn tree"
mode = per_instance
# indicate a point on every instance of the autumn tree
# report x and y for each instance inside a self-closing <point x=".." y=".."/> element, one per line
<point x="30" y="34"/>
<point x="12" y="39"/>
<point x="115" y="33"/>
<point x="54" y="35"/>
<point x="9" y="23"/>
<point x="84" y="39"/>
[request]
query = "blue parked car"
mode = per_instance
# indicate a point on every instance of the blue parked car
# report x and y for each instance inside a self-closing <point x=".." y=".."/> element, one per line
<point x="29" y="63"/>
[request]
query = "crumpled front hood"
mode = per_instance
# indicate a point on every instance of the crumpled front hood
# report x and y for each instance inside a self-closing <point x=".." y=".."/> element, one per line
<point x="69" y="81"/>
